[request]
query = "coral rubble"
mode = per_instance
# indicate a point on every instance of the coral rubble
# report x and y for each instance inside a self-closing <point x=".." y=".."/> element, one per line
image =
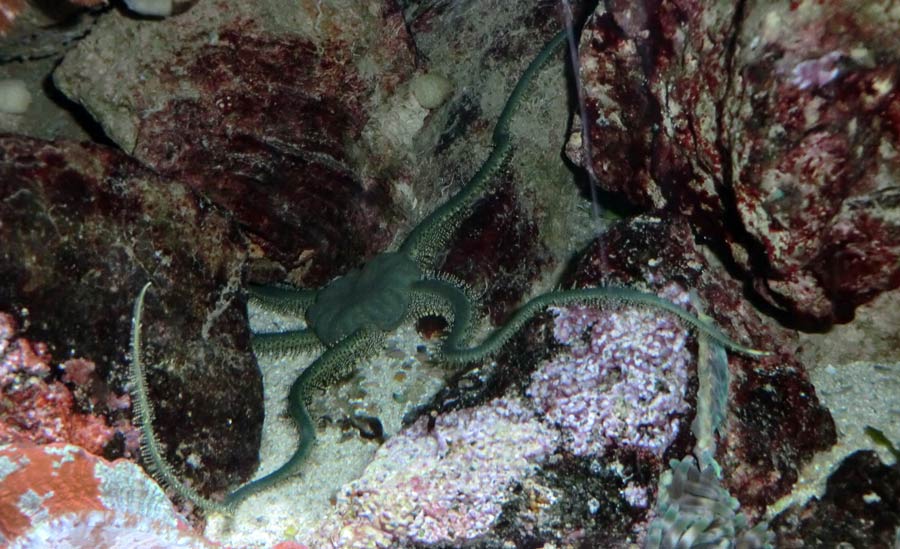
<point x="442" y="480"/>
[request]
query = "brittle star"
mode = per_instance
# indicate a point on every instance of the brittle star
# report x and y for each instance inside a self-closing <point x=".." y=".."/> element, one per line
<point x="350" y="317"/>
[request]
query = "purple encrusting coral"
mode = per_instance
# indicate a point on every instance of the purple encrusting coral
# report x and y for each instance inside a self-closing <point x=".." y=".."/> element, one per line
<point x="441" y="483"/>
<point x="445" y="479"/>
<point x="626" y="386"/>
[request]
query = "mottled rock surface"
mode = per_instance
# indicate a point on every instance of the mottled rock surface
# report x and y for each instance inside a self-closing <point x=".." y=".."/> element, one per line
<point x="259" y="106"/>
<point x="498" y="229"/>
<point x="860" y="508"/>
<point x="299" y="119"/>
<point x="776" y="423"/>
<point x="29" y="30"/>
<point x="772" y="127"/>
<point x="82" y="227"/>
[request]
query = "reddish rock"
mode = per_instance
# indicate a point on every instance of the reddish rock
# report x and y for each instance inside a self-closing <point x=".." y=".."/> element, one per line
<point x="267" y="138"/>
<point x="260" y="109"/>
<point x="814" y="125"/>
<point x="82" y="228"/>
<point x="775" y="422"/>
<point x="772" y="128"/>
<point x="35" y="407"/>
<point x="497" y="250"/>
<point x="9" y="9"/>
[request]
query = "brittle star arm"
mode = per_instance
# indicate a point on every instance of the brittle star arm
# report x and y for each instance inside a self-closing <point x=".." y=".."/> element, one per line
<point x="288" y="343"/>
<point x="432" y="233"/>
<point x="454" y="349"/>
<point x="335" y="363"/>
<point x="289" y="301"/>
<point x="151" y="451"/>
<point x="282" y="299"/>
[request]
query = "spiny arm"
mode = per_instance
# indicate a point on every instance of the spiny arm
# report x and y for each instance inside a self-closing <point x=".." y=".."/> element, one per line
<point x="150" y="447"/>
<point x="282" y="299"/>
<point x="587" y="296"/>
<point x="431" y="234"/>
<point x="289" y="343"/>
<point x="334" y="364"/>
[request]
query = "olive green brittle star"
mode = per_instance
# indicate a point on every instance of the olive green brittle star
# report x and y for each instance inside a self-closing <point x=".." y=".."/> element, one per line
<point x="350" y="317"/>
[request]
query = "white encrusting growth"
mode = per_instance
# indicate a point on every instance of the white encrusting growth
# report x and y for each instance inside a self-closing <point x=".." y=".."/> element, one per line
<point x="14" y="96"/>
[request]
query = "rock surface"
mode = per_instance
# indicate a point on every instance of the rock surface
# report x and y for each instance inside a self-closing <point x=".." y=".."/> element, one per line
<point x="776" y="423"/>
<point x="860" y="508"/>
<point x="287" y="140"/>
<point x="260" y="107"/>
<point x="82" y="228"/>
<point x="772" y="127"/>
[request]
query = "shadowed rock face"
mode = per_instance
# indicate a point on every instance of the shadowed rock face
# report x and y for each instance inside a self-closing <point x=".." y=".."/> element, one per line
<point x="82" y="227"/>
<point x="860" y="507"/>
<point x="771" y="127"/>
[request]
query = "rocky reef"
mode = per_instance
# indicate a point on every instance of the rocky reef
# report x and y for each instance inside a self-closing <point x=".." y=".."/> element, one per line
<point x="744" y="156"/>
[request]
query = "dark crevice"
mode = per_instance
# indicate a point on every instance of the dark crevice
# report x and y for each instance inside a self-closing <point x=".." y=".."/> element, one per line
<point x="614" y="203"/>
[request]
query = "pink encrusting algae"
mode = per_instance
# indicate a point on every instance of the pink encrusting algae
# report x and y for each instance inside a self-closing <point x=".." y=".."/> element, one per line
<point x="620" y="381"/>
<point x="36" y="407"/>
<point x="446" y="479"/>
<point x="60" y="496"/>
<point x="445" y="482"/>
<point x="623" y="387"/>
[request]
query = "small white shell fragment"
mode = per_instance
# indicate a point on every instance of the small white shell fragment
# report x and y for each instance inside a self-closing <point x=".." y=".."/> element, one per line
<point x="431" y="89"/>
<point x="14" y="96"/>
<point x="152" y="8"/>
